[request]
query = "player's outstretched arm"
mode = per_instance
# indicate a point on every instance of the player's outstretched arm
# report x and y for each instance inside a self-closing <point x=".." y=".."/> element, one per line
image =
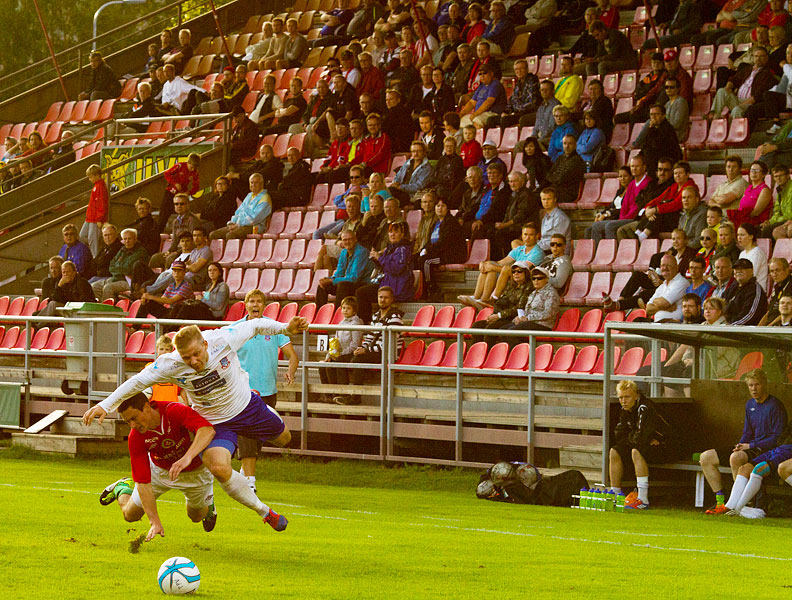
<point x="97" y="412"/>
<point x="149" y="503"/>
<point x="202" y="438"/>
<point x="297" y="325"/>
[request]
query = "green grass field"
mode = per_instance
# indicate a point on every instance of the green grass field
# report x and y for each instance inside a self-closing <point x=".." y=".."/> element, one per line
<point x="362" y="530"/>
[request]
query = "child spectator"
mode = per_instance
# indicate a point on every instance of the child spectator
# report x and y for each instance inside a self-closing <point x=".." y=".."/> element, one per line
<point x="341" y="350"/>
<point x="96" y="216"/>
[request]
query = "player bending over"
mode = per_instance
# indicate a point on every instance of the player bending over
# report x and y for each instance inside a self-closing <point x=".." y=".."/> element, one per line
<point x="164" y="458"/>
<point x="207" y="367"/>
<point x="765" y="421"/>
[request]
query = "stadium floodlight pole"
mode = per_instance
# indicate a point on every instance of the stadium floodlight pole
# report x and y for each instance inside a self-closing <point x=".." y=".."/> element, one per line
<point x="101" y="8"/>
<point x="652" y="24"/>
<point x="51" y="51"/>
<point x="222" y="35"/>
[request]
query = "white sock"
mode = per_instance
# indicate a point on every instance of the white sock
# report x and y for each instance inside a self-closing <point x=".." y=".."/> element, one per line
<point x="754" y="483"/>
<point x="643" y="489"/>
<point x="237" y="487"/>
<point x="641" y="235"/>
<point x="251" y="479"/>
<point x="616" y="490"/>
<point x="789" y="480"/>
<point x="737" y="489"/>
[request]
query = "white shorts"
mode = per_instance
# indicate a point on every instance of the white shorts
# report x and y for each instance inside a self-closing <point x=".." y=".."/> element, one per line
<point x="195" y="485"/>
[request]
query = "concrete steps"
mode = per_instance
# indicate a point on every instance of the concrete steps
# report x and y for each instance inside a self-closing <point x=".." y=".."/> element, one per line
<point x="70" y="445"/>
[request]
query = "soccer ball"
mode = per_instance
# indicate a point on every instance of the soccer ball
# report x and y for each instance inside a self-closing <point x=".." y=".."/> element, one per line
<point x="529" y="475"/>
<point x="502" y="472"/>
<point x="178" y="575"/>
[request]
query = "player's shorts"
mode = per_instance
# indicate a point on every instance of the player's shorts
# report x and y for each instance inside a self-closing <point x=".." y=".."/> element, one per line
<point x="725" y="452"/>
<point x="774" y="457"/>
<point x="195" y="485"/>
<point x="249" y="448"/>
<point x="257" y="422"/>
<point x="652" y="454"/>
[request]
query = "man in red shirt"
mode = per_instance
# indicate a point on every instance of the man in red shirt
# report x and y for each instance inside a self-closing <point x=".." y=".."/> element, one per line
<point x="163" y="458"/>
<point x="376" y="154"/>
<point x="96" y="215"/>
<point x="180" y="178"/>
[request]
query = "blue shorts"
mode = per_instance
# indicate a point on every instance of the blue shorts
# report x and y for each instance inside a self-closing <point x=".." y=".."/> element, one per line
<point x="258" y="422"/>
<point x="775" y="456"/>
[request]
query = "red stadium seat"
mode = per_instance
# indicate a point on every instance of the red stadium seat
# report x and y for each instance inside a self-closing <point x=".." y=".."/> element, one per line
<point x="450" y="358"/>
<point x="636" y="313"/>
<point x="10" y="338"/>
<point x="630" y="362"/>
<point x="577" y="288"/>
<point x="544" y="355"/>
<point x="287" y="311"/>
<point x="434" y="354"/>
<point x="625" y="256"/>
<point x="283" y="284"/>
<point x="423" y="318"/>
<point x="719" y="129"/>
<point x="585" y="360"/>
<point x="302" y="283"/>
<point x="92" y="111"/>
<point x="134" y="342"/>
<point x="129" y="92"/>
<point x="590" y="194"/>
<point x="4" y="301"/>
<point x="55" y="340"/>
<point x="235" y="311"/>
<point x="600" y="287"/>
<point x="412" y="353"/>
<point x="591" y="321"/>
<point x="483" y="313"/>
<point x="464" y="318"/>
<point x="648" y="358"/>
<point x="31" y="306"/>
<point x="738" y="132"/>
<point x="562" y="359"/>
<point x="568" y="321"/>
<point x="617" y="316"/>
<point x="606" y="253"/>
<point x="518" y="358"/>
<point x="496" y="358"/>
<point x="149" y="344"/>
<point x="749" y="362"/>
<point x="599" y="366"/>
<point x="584" y="254"/>
<point x="53" y="112"/>
<point x="263" y="254"/>
<point x="475" y="356"/>
<point x="16" y="306"/>
<point x="133" y="309"/>
<point x="443" y="317"/>
<point x="308" y="311"/>
<point x="324" y="314"/>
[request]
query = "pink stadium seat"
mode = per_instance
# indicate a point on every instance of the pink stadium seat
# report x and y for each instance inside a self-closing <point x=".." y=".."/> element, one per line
<point x="627" y="84"/>
<point x="509" y="139"/>
<point x="280" y="252"/>
<point x="10" y="338"/>
<point x="590" y="194"/>
<point x="308" y="311"/>
<point x="423" y="318"/>
<point x="645" y="252"/>
<point x="324" y="314"/>
<point x="518" y="358"/>
<point x="4" y="301"/>
<point x="578" y="288"/>
<point x="246" y="253"/>
<point x="624" y="105"/>
<point x="738" y="132"/>
<point x="56" y="338"/>
<point x="31" y="306"/>
<point x="302" y="283"/>
<point x="231" y="253"/>
<point x="287" y="311"/>
<point x="687" y="57"/>
<point x="584" y="254"/>
<point x="630" y="362"/>
<point x="763" y="243"/>
<point x="281" y="145"/>
<point x="702" y="81"/>
<point x="311" y="253"/>
<point x="599" y="366"/>
<point x="320" y="196"/>
<point x="283" y="285"/>
<point x="585" y="360"/>
<point x="296" y="254"/>
<point x="271" y="311"/>
<point x="475" y="356"/>
<point x="722" y="55"/>
<point x="133" y="309"/>
<point x="276" y="225"/>
<point x="434" y="354"/>
<point x="705" y="58"/>
<point x="450" y="358"/>
<point x="636" y="131"/>
<point x="783" y="249"/>
<point x="546" y="66"/>
<point x="544" y="355"/>
<point x="568" y="321"/>
<point x="263" y="254"/>
<point x="591" y="321"/>
<point x="719" y="129"/>
<point x="134" y="342"/>
<point x="617" y="316"/>
<point x="606" y="253"/>
<point x="16" y="306"/>
<point x="625" y="256"/>
<point x="413" y="219"/>
<point x="562" y="359"/>
<point x="496" y="358"/>
<point x="611" y="84"/>
<point x="443" y="317"/>
<point x="318" y="275"/>
<point x="412" y="353"/>
<point x="235" y="311"/>
<point x="309" y="225"/>
<point x="479" y="252"/>
<point x="249" y="281"/>
<point x="233" y="279"/>
<point x="621" y="135"/>
<point x="267" y="281"/>
<point x="600" y="286"/>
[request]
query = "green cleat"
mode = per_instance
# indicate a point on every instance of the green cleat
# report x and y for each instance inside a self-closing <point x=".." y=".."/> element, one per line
<point x="210" y="520"/>
<point x="118" y="488"/>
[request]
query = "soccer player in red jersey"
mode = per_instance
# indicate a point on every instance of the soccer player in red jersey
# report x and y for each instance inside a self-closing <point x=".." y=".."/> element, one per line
<point x="164" y="457"/>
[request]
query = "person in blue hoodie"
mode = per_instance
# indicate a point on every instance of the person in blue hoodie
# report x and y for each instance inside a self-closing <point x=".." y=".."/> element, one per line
<point x="353" y="270"/>
<point x="254" y="211"/>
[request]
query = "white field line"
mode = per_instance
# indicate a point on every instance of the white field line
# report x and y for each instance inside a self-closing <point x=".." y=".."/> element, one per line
<point x="484" y="530"/>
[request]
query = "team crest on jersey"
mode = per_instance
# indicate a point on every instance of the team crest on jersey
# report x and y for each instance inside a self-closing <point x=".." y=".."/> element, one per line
<point x="182" y="381"/>
<point x="224" y="364"/>
<point x="268" y="337"/>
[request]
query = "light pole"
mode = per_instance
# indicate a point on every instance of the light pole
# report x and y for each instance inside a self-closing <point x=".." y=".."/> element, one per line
<point x="105" y="5"/>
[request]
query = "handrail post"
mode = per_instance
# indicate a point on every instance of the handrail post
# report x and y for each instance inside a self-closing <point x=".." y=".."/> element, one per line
<point x="91" y="338"/>
<point x="607" y="368"/>
<point x="656" y="386"/>
<point x="386" y="403"/>
<point x="458" y="432"/>
<point x="531" y="394"/>
<point x="120" y="361"/>
<point x="304" y="399"/>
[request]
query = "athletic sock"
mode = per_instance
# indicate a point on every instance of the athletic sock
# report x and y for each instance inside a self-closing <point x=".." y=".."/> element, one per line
<point x="616" y="490"/>
<point x="754" y="483"/>
<point x="737" y="489"/>
<point x="641" y="235"/>
<point x="237" y="487"/>
<point x="251" y="479"/>
<point x="720" y="498"/>
<point x="789" y="480"/>
<point x="643" y="489"/>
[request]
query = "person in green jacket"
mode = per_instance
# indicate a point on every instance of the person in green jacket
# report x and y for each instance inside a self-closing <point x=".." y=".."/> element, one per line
<point x="778" y="151"/>
<point x="779" y="225"/>
<point x="121" y="267"/>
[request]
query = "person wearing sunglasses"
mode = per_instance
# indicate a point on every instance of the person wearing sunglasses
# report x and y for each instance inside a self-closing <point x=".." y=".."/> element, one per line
<point x="540" y="310"/>
<point x="709" y="243"/>
<point x="557" y="263"/>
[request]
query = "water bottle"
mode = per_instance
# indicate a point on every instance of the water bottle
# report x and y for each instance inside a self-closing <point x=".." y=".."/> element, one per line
<point x="599" y="503"/>
<point x="610" y="500"/>
<point x="620" y="497"/>
<point x="583" y="500"/>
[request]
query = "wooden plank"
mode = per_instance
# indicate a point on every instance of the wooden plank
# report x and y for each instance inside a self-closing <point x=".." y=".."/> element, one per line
<point x="51" y="418"/>
<point x="40" y="406"/>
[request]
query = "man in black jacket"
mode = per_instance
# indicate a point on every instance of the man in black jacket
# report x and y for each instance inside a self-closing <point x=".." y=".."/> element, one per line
<point x="271" y="168"/>
<point x="72" y="287"/>
<point x="146" y="226"/>
<point x="567" y="172"/>
<point x="397" y="122"/>
<point x="295" y="189"/>
<point x="661" y="140"/>
<point x="749" y="303"/>
<point x="244" y="136"/>
<point x="104" y="83"/>
<point x="642" y="436"/>
<point x="112" y="244"/>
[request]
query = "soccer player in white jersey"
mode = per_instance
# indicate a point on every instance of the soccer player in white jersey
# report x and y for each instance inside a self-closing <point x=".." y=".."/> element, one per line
<point x="206" y="366"/>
